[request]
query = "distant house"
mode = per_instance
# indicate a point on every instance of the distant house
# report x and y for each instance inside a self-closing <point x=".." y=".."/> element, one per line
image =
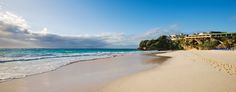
<point x="211" y="34"/>
<point x="178" y="36"/>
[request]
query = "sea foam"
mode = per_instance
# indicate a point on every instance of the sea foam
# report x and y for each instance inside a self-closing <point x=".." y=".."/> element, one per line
<point x="22" y="67"/>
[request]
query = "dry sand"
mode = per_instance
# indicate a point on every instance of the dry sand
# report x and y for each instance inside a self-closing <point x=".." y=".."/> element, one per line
<point x="186" y="71"/>
<point x="87" y="76"/>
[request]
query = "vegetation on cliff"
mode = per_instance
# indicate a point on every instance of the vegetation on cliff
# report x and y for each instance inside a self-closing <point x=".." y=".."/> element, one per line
<point x="162" y="43"/>
<point x="165" y="43"/>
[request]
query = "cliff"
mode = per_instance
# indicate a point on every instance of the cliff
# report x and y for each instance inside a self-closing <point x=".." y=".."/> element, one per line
<point x="165" y="43"/>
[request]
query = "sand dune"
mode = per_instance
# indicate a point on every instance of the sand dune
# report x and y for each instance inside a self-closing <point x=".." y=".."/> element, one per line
<point x="186" y="71"/>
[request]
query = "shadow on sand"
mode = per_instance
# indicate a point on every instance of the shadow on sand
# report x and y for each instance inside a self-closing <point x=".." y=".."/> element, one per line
<point x="157" y="59"/>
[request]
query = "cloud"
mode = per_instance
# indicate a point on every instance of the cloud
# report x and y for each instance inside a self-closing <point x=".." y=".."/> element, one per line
<point x="52" y="40"/>
<point x="114" y="40"/>
<point x="13" y="31"/>
<point x="16" y="33"/>
<point x="156" y="32"/>
<point x="13" y="43"/>
<point x="1" y="5"/>
<point x="44" y="31"/>
<point x="12" y="19"/>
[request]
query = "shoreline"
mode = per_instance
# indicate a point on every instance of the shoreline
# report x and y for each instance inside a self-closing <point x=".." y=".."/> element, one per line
<point x="186" y="71"/>
<point x="179" y="71"/>
<point x="9" y="79"/>
<point x="88" y="76"/>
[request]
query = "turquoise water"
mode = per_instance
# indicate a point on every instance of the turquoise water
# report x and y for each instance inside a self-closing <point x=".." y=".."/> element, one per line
<point x="18" y="63"/>
<point x="11" y="55"/>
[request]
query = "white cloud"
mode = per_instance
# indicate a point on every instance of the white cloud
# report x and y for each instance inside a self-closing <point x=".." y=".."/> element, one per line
<point x="14" y="32"/>
<point x="12" y="19"/>
<point x="114" y="39"/>
<point x="44" y="31"/>
<point x="119" y="39"/>
<point x="156" y="32"/>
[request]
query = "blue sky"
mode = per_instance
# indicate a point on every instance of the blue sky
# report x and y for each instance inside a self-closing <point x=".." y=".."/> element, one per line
<point x="126" y="17"/>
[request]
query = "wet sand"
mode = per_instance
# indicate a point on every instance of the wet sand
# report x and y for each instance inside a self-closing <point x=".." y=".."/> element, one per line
<point x="86" y="76"/>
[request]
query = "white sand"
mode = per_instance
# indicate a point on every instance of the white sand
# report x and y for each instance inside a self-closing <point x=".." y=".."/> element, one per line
<point x="87" y="76"/>
<point x="186" y="71"/>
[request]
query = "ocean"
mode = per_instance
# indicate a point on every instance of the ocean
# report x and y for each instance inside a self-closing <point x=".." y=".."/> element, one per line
<point x="18" y="63"/>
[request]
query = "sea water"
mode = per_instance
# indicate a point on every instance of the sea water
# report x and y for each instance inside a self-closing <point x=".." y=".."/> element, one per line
<point x="18" y="63"/>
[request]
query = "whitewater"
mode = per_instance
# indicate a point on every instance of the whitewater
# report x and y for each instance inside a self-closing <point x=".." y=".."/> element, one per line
<point x="19" y="63"/>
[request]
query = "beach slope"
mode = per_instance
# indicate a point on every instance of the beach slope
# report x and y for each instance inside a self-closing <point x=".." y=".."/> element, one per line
<point x="186" y="71"/>
<point x="83" y="76"/>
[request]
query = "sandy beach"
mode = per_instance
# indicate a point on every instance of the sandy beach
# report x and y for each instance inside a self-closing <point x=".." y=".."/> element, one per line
<point x="84" y="76"/>
<point x="117" y="45"/>
<point x="186" y="71"/>
<point x="175" y="71"/>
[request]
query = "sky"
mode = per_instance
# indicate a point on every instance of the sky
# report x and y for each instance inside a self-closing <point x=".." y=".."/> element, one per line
<point x="108" y="23"/>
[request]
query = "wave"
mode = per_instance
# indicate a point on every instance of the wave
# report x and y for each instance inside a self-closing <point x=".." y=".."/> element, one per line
<point x="47" y="56"/>
<point x="18" y="68"/>
<point x="19" y="63"/>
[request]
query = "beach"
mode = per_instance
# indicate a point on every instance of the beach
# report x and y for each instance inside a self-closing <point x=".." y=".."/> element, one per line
<point x="186" y="71"/>
<point x="169" y="71"/>
<point x="117" y="46"/>
<point x="82" y="76"/>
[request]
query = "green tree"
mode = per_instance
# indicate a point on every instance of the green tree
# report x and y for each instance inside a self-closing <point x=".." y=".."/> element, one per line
<point x="142" y="44"/>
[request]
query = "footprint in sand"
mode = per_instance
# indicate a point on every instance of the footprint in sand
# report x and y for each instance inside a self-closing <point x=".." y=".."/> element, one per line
<point x="231" y="90"/>
<point x="220" y="66"/>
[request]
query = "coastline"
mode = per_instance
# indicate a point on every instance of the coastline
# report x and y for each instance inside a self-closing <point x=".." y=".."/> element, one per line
<point x="87" y="76"/>
<point x="178" y="71"/>
<point x="186" y="71"/>
<point x="19" y="63"/>
<point x="69" y="63"/>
